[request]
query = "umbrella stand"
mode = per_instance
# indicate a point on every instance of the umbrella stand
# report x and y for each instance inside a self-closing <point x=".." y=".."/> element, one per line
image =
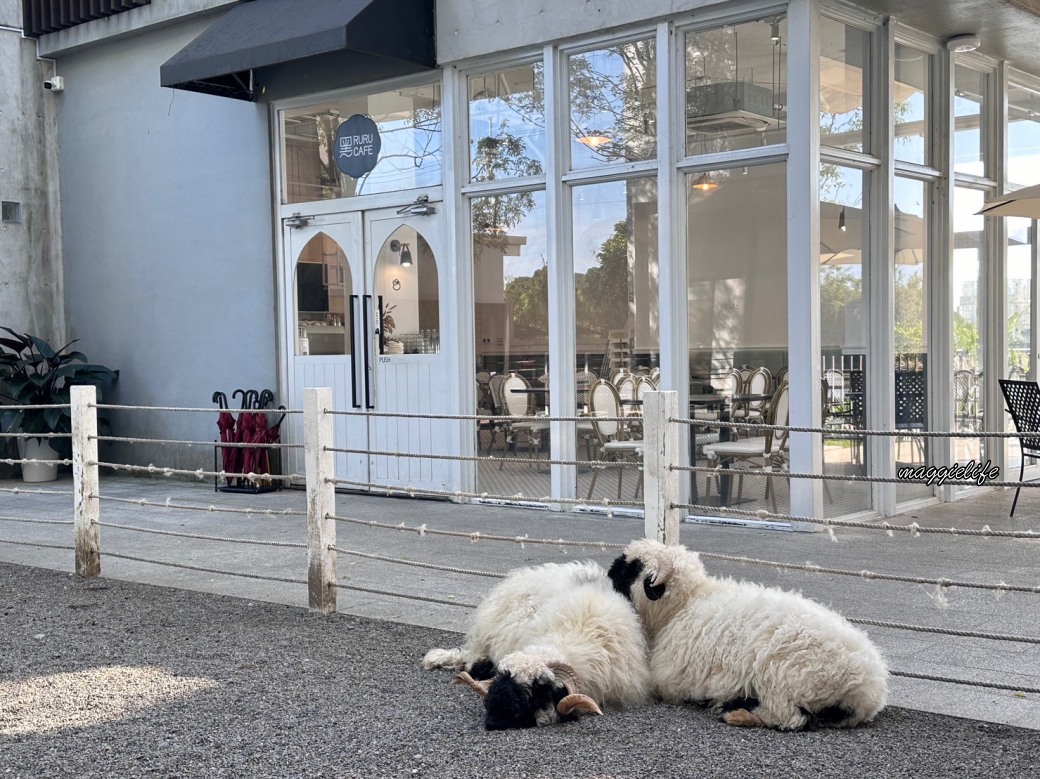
<point x="250" y="428"/>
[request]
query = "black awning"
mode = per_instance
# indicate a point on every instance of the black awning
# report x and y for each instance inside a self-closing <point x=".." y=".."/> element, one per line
<point x="304" y="46"/>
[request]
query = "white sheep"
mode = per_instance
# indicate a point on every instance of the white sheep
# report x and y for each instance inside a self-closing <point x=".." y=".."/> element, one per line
<point x="549" y="641"/>
<point x="762" y="656"/>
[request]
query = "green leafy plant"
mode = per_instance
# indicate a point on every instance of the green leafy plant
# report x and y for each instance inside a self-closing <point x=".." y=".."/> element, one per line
<point x="33" y="373"/>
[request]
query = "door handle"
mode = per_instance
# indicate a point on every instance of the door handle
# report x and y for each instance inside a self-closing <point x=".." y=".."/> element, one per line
<point x="366" y="344"/>
<point x="354" y="354"/>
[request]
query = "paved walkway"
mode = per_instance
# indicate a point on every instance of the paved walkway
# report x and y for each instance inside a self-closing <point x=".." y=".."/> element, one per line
<point x="957" y="558"/>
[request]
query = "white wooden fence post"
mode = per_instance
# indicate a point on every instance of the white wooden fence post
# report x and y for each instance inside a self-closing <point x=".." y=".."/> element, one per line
<point x="660" y="452"/>
<point x="85" y="480"/>
<point x="320" y="468"/>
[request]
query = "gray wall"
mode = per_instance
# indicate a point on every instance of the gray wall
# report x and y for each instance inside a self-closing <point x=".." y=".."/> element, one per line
<point x="471" y="28"/>
<point x="30" y="251"/>
<point x="167" y="233"/>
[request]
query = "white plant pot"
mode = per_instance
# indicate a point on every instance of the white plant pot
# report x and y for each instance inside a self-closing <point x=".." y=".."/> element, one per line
<point x="37" y="449"/>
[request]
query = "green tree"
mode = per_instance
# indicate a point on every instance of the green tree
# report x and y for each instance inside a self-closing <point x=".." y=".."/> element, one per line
<point x="528" y="297"/>
<point x="909" y="312"/>
<point x="602" y="291"/>
<point x="838" y="287"/>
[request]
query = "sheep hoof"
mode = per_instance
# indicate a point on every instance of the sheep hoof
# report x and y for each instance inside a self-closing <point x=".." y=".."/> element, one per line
<point x="742" y="718"/>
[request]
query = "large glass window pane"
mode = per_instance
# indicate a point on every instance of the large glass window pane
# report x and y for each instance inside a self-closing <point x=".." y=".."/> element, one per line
<point x="969" y="89"/>
<point x="844" y="54"/>
<point x="911" y="104"/>
<point x="1019" y="313"/>
<point x="1023" y="136"/>
<point x="911" y="331"/>
<point x="613" y="104"/>
<point x="616" y="311"/>
<point x="511" y="327"/>
<point x="737" y="289"/>
<point x="736" y="86"/>
<point x="507" y="123"/>
<point x="409" y="133"/>
<point x="843" y="336"/>
<point x="969" y="314"/>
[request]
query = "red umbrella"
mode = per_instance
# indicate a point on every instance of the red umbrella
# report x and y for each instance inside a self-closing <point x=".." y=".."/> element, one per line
<point x="229" y="456"/>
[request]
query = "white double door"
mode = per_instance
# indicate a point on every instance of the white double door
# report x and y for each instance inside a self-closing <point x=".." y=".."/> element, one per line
<point x="348" y="280"/>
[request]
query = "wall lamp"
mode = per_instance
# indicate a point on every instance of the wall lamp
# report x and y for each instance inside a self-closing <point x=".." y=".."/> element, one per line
<point x="406" y="256"/>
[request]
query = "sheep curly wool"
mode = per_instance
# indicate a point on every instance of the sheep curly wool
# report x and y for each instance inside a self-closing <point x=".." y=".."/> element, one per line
<point x="549" y="641"/>
<point x="764" y="657"/>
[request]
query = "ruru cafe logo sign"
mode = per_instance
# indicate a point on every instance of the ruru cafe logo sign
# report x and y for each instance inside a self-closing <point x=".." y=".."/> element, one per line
<point x="357" y="146"/>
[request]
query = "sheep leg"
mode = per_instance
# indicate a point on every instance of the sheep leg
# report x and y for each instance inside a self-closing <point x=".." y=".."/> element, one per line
<point x="740" y="712"/>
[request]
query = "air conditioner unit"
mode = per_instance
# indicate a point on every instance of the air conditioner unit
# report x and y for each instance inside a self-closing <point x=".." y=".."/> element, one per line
<point x="729" y="106"/>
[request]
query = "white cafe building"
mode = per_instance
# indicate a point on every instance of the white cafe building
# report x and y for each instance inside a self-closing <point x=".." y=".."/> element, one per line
<point x="553" y="188"/>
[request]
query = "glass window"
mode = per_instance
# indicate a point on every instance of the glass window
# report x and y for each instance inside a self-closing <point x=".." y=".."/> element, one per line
<point x="1023" y="136"/>
<point x="323" y="282"/>
<point x="1019" y="312"/>
<point x="409" y="131"/>
<point x="911" y="104"/>
<point x="613" y="104"/>
<point x="736" y="86"/>
<point x="844" y="53"/>
<point x="969" y="308"/>
<point x="969" y="89"/>
<point x="843" y="336"/>
<point x="616" y="303"/>
<point x="407" y="285"/>
<point x="911" y="333"/>
<point x="507" y="123"/>
<point x="511" y="326"/>
<point x="737" y="285"/>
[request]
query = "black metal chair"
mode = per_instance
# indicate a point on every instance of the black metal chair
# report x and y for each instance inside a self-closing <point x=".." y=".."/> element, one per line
<point x="1023" y="403"/>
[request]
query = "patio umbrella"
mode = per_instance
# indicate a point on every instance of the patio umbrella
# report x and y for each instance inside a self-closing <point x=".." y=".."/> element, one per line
<point x="841" y="236"/>
<point x="229" y="456"/>
<point x="1022" y="202"/>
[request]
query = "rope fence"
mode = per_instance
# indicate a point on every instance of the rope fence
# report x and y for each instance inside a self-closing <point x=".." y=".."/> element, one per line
<point x="661" y="505"/>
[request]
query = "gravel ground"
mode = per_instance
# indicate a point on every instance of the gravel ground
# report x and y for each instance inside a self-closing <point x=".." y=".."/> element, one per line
<point x="105" y="678"/>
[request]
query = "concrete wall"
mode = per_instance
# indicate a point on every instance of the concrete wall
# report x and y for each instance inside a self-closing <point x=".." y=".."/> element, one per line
<point x="168" y="238"/>
<point x="30" y="251"/>
<point x="472" y="28"/>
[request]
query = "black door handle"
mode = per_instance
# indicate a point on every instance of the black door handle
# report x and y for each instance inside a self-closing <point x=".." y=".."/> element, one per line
<point x="366" y="344"/>
<point x="353" y="354"/>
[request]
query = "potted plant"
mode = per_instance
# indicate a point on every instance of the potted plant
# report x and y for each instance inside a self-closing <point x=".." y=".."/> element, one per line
<point x="33" y="373"/>
<point x="390" y="345"/>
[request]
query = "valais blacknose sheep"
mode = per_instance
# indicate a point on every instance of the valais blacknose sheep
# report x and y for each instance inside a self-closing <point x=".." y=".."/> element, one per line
<point x="548" y="642"/>
<point x="762" y="656"/>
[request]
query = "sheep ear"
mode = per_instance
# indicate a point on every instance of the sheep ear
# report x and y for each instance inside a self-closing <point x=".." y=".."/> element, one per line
<point x="652" y="592"/>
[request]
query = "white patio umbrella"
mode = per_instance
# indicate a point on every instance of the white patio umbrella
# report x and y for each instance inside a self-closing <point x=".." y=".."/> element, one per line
<point x="1022" y="202"/>
<point x="841" y="236"/>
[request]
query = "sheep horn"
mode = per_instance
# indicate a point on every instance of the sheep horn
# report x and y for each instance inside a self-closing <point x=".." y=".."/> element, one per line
<point x="481" y="687"/>
<point x="566" y="674"/>
<point x="577" y="701"/>
<point x="664" y="570"/>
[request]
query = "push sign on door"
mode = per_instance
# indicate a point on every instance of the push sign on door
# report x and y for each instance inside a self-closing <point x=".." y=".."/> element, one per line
<point x="357" y="146"/>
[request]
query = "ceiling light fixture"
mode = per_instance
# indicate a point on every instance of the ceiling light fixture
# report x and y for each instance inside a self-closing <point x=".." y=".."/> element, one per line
<point x="841" y="219"/>
<point x="705" y="183"/>
<point x="406" y="256"/>
<point x="593" y="140"/>
<point x="774" y="31"/>
<point x="959" y="44"/>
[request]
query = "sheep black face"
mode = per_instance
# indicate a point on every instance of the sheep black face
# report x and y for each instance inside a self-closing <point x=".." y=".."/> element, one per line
<point x="624" y="574"/>
<point x="510" y="704"/>
<point x="527" y="693"/>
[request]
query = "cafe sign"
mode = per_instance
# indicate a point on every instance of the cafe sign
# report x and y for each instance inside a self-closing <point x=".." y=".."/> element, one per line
<point x="357" y="146"/>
